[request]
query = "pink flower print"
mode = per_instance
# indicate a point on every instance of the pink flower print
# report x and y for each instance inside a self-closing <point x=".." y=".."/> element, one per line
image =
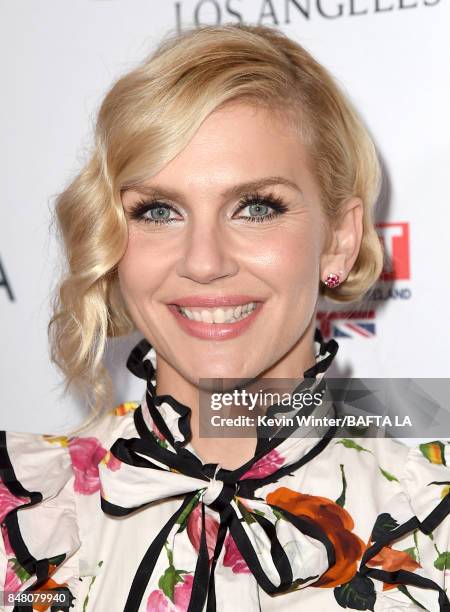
<point x="12" y="580"/>
<point x="194" y="530"/>
<point x="156" y="431"/>
<point x="266" y="465"/>
<point x="8" y="501"/>
<point x="111" y="462"/>
<point x="233" y="558"/>
<point x="7" y="544"/>
<point x="86" y="454"/>
<point x="158" y="602"/>
<point x="157" y="434"/>
<point x="182" y="593"/>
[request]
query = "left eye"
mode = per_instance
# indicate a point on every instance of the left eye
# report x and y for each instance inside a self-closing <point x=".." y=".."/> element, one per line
<point x="262" y="208"/>
<point x="257" y="211"/>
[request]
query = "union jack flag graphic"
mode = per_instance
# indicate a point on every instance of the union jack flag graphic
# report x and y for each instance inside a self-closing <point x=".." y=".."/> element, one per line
<point x="347" y="324"/>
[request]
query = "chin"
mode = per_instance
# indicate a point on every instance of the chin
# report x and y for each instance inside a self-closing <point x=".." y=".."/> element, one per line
<point x="221" y="373"/>
<point x="218" y="373"/>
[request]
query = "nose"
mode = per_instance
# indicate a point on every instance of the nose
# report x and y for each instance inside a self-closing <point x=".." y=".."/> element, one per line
<point x="206" y="254"/>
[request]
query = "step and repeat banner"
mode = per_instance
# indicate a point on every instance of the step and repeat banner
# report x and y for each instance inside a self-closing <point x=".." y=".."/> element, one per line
<point x="58" y="59"/>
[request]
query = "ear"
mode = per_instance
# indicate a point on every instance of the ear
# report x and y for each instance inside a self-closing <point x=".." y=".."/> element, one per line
<point x="345" y="235"/>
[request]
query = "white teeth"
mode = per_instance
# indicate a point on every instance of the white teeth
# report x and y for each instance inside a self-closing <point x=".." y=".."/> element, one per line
<point x="229" y="315"/>
<point x="219" y="315"/>
<point x="207" y="316"/>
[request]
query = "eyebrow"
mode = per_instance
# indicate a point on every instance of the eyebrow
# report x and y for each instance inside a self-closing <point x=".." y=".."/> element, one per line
<point x="235" y="191"/>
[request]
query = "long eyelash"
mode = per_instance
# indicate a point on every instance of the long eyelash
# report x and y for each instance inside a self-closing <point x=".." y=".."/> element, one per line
<point x="269" y="199"/>
<point x="138" y="210"/>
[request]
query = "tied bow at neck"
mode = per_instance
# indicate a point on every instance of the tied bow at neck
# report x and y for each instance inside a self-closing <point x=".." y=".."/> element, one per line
<point x="282" y="551"/>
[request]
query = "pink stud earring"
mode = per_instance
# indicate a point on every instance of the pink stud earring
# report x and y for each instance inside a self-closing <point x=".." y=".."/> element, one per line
<point x="333" y="280"/>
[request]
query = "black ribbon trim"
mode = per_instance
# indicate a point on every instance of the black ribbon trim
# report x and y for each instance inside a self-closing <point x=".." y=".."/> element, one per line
<point x="330" y="347"/>
<point x="179" y="461"/>
<point x="204" y="582"/>
<point x="250" y="485"/>
<point x="130" y="451"/>
<point x="200" y="586"/>
<point x="143" y="368"/>
<point x="188" y="460"/>
<point x="38" y="567"/>
<point x="221" y="534"/>
<point x="409" y="578"/>
<point x="146" y="566"/>
<point x="155" y="401"/>
<point x="436" y="516"/>
<point x="190" y="465"/>
<point x="137" y="365"/>
<point x="311" y="529"/>
<point x="280" y="558"/>
<point x="401" y="576"/>
<point x="204" y="589"/>
<point x="139" y="452"/>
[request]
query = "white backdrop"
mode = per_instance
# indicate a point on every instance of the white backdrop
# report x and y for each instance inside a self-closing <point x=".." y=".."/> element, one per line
<point x="58" y="59"/>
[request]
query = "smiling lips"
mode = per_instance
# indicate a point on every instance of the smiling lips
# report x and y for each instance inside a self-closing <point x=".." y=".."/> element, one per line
<point x="216" y="317"/>
<point x="219" y="315"/>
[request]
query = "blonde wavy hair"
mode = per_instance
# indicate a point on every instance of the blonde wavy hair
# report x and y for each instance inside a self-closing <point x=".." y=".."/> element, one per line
<point x="145" y="119"/>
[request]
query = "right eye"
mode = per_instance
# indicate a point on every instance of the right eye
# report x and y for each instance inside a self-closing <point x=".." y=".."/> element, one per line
<point x="156" y="213"/>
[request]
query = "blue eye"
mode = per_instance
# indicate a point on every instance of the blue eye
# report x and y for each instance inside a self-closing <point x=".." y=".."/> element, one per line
<point x="155" y="213"/>
<point x="161" y="213"/>
<point x="257" y="208"/>
<point x="259" y="205"/>
<point x="258" y="212"/>
<point x="158" y="213"/>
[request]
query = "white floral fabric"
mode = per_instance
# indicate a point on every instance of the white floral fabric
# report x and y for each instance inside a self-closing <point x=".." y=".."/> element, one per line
<point x="126" y="517"/>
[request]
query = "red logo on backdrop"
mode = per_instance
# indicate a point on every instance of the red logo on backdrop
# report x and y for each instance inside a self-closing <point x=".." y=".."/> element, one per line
<point x="395" y="239"/>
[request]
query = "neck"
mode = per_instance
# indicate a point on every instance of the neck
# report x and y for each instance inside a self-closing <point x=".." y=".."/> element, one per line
<point x="230" y="452"/>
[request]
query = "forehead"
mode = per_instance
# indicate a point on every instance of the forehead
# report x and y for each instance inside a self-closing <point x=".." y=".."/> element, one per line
<point x="237" y="142"/>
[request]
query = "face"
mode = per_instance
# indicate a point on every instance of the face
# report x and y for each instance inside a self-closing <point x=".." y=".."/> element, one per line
<point x="234" y="218"/>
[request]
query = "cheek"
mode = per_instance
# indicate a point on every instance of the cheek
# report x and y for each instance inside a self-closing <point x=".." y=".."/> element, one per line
<point x="292" y="261"/>
<point x="138" y="269"/>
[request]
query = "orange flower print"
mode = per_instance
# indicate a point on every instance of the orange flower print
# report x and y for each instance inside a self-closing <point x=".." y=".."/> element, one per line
<point x="335" y="521"/>
<point x="124" y="408"/>
<point x="388" y="558"/>
<point x="48" y="585"/>
<point x="392" y="560"/>
<point x="434" y="452"/>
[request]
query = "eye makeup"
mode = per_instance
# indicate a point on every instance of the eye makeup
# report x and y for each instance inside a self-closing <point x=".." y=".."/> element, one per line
<point x="142" y="210"/>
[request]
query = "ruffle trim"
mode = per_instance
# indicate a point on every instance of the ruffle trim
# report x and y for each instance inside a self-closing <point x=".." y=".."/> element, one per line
<point x="37" y="480"/>
<point x="425" y="484"/>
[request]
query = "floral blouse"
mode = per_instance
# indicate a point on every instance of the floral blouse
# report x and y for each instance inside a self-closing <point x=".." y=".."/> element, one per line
<point x="127" y="518"/>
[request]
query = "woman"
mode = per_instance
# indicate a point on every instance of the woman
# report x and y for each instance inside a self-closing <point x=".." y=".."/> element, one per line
<point x="230" y="185"/>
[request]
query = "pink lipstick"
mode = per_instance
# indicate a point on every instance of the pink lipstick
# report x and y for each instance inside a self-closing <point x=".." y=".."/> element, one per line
<point x="218" y="330"/>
